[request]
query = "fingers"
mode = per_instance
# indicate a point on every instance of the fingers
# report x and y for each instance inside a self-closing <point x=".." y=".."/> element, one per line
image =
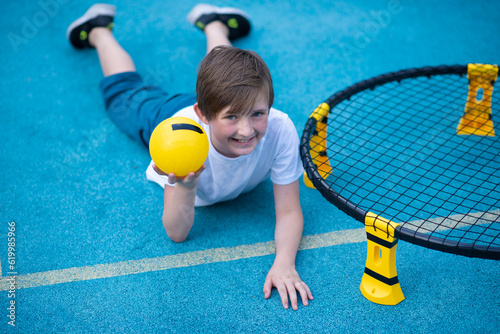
<point x="157" y="170"/>
<point x="199" y="171"/>
<point x="172" y="178"/>
<point x="288" y="290"/>
<point x="283" y="294"/>
<point x="189" y="178"/>
<point x="193" y="176"/>
<point x="280" y="286"/>
<point x="304" y="292"/>
<point x="268" y="286"/>
<point x="293" y="295"/>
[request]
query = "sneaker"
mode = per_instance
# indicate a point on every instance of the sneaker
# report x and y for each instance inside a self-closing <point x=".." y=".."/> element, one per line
<point x="99" y="15"/>
<point x="236" y="20"/>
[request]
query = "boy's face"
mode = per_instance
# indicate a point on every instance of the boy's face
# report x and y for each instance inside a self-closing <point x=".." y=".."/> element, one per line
<point x="236" y="135"/>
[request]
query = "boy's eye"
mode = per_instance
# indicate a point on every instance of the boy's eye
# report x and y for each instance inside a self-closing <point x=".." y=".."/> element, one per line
<point x="257" y="114"/>
<point x="231" y="117"/>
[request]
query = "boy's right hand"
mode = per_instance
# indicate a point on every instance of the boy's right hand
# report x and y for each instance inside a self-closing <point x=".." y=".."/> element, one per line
<point x="190" y="180"/>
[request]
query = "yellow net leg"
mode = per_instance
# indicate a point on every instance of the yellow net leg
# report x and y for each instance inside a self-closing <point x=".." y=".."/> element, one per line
<point x="318" y="143"/>
<point x="380" y="281"/>
<point x="477" y="117"/>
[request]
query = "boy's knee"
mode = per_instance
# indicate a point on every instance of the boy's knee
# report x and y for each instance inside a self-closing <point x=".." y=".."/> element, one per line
<point x="176" y="238"/>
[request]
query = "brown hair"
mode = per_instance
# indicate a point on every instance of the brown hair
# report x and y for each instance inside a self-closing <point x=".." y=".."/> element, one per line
<point x="229" y="76"/>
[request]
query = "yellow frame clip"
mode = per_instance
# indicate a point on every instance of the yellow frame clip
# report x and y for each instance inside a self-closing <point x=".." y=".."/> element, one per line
<point x="318" y="143"/>
<point x="380" y="282"/>
<point x="477" y="117"/>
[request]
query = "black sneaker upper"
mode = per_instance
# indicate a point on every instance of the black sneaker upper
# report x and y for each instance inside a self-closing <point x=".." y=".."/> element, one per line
<point x="238" y="25"/>
<point x="79" y="35"/>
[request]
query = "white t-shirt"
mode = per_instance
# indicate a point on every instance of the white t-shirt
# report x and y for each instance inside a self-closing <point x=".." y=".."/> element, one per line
<point x="276" y="155"/>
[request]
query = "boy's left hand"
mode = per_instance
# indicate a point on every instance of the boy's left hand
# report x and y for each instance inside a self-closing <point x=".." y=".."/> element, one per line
<point x="189" y="180"/>
<point x="287" y="281"/>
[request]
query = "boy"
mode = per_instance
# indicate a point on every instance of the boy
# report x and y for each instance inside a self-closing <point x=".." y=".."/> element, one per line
<point x="249" y="141"/>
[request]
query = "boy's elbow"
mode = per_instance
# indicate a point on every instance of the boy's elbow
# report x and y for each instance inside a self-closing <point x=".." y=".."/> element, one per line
<point x="174" y="234"/>
<point x="176" y="237"/>
<point x="177" y="229"/>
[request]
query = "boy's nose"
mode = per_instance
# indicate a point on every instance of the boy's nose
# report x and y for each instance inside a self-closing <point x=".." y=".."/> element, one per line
<point x="245" y="128"/>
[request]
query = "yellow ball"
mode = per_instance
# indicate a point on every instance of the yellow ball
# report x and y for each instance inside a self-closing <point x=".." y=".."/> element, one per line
<point x="178" y="145"/>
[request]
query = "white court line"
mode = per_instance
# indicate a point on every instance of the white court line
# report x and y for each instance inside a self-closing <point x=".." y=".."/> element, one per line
<point x="218" y="254"/>
<point x="177" y="261"/>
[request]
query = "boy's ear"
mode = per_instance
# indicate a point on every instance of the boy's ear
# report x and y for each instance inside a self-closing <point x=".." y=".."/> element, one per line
<point x="200" y="114"/>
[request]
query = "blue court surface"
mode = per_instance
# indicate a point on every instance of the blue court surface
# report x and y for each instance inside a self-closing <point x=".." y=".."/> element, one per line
<point x="90" y="254"/>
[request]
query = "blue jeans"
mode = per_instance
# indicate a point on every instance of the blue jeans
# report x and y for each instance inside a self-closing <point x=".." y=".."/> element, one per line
<point x="138" y="108"/>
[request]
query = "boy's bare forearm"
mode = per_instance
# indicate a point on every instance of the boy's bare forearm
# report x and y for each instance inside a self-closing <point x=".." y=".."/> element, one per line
<point x="178" y="212"/>
<point x="289" y="222"/>
<point x="288" y="234"/>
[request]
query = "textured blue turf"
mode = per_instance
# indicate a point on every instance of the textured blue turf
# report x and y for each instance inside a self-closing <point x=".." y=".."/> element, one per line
<point x="76" y="189"/>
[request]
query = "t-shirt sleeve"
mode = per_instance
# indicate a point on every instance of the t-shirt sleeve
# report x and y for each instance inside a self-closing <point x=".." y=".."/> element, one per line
<point x="287" y="165"/>
<point x="153" y="176"/>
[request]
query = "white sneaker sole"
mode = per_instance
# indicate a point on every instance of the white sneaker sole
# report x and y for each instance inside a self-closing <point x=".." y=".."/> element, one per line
<point x="202" y="9"/>
<point x="92" y="12"/>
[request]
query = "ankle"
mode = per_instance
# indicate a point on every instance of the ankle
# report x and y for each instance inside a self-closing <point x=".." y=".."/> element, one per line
<point x="216" y="27"/>
<point x="97" y="34"/>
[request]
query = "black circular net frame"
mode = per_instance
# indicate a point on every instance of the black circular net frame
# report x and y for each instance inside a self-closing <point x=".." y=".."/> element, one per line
<point x="393" y="149"/>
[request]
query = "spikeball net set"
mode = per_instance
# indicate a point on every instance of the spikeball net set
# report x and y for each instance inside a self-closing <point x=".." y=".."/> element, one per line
<point x="414" y="156"/>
